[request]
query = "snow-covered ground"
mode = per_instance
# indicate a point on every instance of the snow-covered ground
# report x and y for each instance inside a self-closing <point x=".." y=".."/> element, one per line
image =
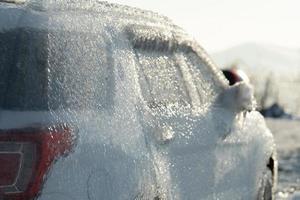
<point x="287" y="137"/>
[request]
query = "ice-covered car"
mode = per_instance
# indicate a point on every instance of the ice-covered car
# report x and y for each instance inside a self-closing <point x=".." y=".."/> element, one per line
<point x="101" y="101"/>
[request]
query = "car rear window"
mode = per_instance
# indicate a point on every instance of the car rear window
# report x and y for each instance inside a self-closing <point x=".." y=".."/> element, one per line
<point x="43" y="69"/>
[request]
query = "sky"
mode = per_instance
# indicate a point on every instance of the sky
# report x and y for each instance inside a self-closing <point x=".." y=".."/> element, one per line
<point x="221" y="24"/>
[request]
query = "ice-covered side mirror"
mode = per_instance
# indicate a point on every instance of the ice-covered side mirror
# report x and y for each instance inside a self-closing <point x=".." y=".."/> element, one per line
<point x="239" y="97"/>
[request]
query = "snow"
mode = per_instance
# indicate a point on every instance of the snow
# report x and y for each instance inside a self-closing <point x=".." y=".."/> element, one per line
<point x="287" y="137"/>
<point x="186" y="143"/>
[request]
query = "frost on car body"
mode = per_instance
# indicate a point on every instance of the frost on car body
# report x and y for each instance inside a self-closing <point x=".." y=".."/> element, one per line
<point x="145" y="112"/>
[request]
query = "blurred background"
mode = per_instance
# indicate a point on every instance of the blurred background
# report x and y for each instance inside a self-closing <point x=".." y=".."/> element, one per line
<point x="262" y="38"/>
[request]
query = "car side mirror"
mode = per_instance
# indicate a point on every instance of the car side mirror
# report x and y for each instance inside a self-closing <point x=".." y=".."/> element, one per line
<point x="239" y="97"/>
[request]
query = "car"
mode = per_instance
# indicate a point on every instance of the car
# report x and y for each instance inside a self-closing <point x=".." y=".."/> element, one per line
<point x="103" y="101"/>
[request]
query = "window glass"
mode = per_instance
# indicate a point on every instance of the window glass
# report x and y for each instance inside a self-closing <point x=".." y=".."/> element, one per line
<point x="81" y="70"/>
<point x="42" y="69"/>
<point x="202" y="76"/>
<point x="161" y="80"/>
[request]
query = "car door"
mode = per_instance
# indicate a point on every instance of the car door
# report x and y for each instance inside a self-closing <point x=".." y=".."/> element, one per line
<point x="180" y="122"/>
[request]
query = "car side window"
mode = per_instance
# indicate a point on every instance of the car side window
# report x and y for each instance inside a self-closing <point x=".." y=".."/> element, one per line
<point x="160" y="78"/>
<point x="204" y="81"/>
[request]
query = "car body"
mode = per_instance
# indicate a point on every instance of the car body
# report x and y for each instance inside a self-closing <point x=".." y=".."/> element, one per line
<point x="101" y="101"/>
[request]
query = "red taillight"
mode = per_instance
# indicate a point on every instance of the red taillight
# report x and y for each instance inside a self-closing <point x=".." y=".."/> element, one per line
<point x="26" y="156"/>
<point x="10" y="165"/>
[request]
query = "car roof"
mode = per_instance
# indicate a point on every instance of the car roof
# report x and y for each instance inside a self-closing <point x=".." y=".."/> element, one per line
<point x="125" y="17"/>
<point x="109" y="10"/>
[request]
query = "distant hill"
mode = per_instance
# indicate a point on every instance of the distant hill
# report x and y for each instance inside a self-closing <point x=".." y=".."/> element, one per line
<point x="269" y="67"/>
<point x="266" y="58"/>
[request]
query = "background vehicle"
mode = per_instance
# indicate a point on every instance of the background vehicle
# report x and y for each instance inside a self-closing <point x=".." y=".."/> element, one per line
<point x="100" y="101"/>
